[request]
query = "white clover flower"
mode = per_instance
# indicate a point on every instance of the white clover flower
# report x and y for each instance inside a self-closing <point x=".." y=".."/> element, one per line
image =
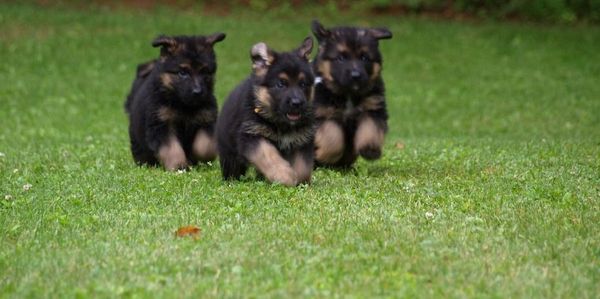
<point x="7" y="197"/>
<point x="2" y="154"/>
<point x="27" y="186"/>
<point x="428" y="215"/>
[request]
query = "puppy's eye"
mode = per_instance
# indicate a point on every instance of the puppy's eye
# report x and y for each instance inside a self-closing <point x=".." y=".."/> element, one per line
<point x="303" y="84"/>
<point x="281" y="83"/>
<point x="183" y="74"/>
<point x="364" y="57"/>
<point x="341" y="57"/>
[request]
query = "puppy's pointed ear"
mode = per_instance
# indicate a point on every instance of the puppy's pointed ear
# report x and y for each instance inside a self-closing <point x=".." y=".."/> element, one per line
<point x="262" y="57"/>
<point x="215" y="38"/>
<point x="167" y="44"/>
<point x="380" y="33"/>
<point x="319" y="31"/>
<point x="305" y="49"/>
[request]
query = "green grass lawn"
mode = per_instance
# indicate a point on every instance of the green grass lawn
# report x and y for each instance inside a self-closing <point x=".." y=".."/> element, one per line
<point x="489" y="185"/>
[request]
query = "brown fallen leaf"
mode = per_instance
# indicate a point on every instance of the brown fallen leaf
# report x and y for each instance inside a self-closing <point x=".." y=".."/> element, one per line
<point x="400" y="145"/>
<point x="190" y="230"/>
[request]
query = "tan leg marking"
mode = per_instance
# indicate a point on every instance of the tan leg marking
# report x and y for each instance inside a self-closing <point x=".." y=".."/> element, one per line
<point x="368" y="135"/>
<point x="329" y="142"/>
<point x="268" y="161"/>
<point x="171" y="154"/>
<point x="302" y="168"/>
<point x="204" y="146"/>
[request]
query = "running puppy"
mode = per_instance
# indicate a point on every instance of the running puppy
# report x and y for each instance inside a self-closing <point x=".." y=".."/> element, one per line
<point x="171" y="106"/>
<point x="268" y="121"/>
<point x="349" y="95"/>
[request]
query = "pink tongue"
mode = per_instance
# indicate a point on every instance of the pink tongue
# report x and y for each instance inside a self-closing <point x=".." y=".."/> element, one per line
<point x="293" y="116"/>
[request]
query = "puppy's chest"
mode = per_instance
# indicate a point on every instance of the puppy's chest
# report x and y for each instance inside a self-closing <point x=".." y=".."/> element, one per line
<point x="285" y="141"/>
<point x="176" y="117"/>
<point x="349" y="109"/>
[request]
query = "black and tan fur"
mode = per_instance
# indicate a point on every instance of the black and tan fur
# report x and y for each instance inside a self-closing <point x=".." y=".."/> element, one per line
<point x="349" y="98"/>
<point x="268" y="120"/>
<point x="171" y="107"/>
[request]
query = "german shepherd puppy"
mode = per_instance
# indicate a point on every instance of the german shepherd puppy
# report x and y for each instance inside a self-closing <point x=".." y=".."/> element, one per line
<point x="171" y="106"/>
<point x="349" y="98"/>
<point x="268" y="120"/>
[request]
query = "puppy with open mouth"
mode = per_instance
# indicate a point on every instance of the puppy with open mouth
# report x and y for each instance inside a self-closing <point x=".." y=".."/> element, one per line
<point x="268" y="120"/>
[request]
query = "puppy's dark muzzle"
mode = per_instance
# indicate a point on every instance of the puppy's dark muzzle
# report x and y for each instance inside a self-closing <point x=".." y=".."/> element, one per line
<point x="197" y="89"/>
<point x="356" y="76"/>
<point x="197" y="86"/>
<point x="296" y="103"/>
<point x="296" y="108"/>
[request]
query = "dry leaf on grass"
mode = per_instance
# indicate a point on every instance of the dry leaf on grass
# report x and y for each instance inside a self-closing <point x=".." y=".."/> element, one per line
<point x="190" y="230"/>
<point x="400" y="145"/>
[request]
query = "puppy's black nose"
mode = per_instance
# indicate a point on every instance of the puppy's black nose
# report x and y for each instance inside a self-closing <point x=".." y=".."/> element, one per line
<point x="355" y="74"/>
<point x="295" y="102"/>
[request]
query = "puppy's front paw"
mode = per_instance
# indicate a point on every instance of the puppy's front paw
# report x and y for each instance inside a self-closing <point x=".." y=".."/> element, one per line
<point x="172" y="156"/>
<point x="178" y="164"/>
<point x="328" y="157"/>
<point x="329" y="143"/>
<point x="204" y="146"/>
<point x="286" y="176"/>
<point x="370" y="152"/>
<point x="369" y="137"/>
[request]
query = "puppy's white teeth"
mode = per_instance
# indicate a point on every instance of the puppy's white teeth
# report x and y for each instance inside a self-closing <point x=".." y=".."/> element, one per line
<point x="293" y="116"/>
